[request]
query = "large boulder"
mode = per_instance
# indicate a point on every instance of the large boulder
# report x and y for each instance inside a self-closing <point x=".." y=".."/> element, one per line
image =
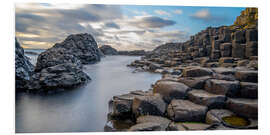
<point x="171" y="90"/>
<point x="148" y="126"/>
<point x="77" y="49"/>
<point x="194" y="82"/>
<point x="149" y="105"/>
<point x="61" y="65"/>
<point x="164" y="122"/>
<point x="186" y="111"/>
<point x="207" y="99"/>
<point x="247" y="76"/>
<point x="196" y="71"/>
<point x="223" y="87"/>
<point x="108" y="50"/>
<point x="249" y="90"/>
<point x="122" y="104"/>
<point x="23" y="68"/>
<point x="62" y="76"/>
<point x="243" y="107"/>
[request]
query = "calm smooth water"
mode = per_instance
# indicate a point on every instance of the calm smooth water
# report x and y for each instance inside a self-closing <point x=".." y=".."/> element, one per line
<point x="85" y="108"/>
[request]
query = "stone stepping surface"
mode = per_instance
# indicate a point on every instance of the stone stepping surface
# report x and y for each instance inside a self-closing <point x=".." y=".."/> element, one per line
<point x="249" y="90"/>
<point x="171" y="90"/>
<point x="210" y="100"/>
<point x="122" y="104"/>
<point x="222" y="87"/>
<point x="188" y="126"/>
<point x="243" y="107"/>
<point x="148" y="126"/>
<point x="163" y="121"/>
<point x="194" y="82"/>
<point x="196" y="71"/>
<point x="148" y="105"/>
<point x="185" y="110"/>
<point x="247" y="76"/>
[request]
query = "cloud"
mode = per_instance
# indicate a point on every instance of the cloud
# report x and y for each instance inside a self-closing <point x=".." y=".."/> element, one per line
<point x="161" y="12"/>
<point x="203" y="14"/>
<point x="112" y="25"/>
<point x="178" y="11"/>
<point x="206" y="16"/>
<point x="53" y="24"/>
<point x="152" y="22"/>
<point x="43" y="25"/>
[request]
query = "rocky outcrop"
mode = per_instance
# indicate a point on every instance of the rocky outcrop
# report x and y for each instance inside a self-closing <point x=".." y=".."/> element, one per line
<point x="108" y="50"/>
<point x="23" y="68"/>
<point x="132" y="53"/>
<point x="78" y="49"/>
<point x="61" y="65"/>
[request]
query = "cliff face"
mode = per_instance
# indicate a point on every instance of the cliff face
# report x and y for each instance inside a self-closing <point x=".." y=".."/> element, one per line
<point x="247" y="19"/>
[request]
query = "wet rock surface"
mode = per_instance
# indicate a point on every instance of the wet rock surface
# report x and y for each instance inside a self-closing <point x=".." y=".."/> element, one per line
<point x="171" y="90"/>
<point x="108" y="50"/>
<point x="184" y="110"/>
<point x="60" y="67"/>
<point x="210" y="100"/>
<point x="23" y="68"/>
<point x="209" y="82"/>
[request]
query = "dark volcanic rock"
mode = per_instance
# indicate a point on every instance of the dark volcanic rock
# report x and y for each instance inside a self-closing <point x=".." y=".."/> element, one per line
<point x="62" y="76"/>
<point x="244" y="107"/>
<point x="77" y="49"/>
<point x="223" y="87"/>
<point x="148" y="126"/>
<point x="195" y="71"/>
<point x="164" y="122"/>
<point x="23" y="68"/>
<point x="148" y="105"/>
<point x="61" y="65"/>
<point x="132" y="53"/>
<point x="171" y="90"/>
<point x="108" y="50"/>
<point x="208" y="99"/>
<point x="184" y="110"/>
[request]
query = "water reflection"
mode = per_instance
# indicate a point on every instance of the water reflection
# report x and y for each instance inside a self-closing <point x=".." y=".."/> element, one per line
<point x="85" y="108"/>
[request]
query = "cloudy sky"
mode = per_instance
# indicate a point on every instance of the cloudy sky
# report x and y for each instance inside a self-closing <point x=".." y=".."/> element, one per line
<point x="123" y="27"/>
